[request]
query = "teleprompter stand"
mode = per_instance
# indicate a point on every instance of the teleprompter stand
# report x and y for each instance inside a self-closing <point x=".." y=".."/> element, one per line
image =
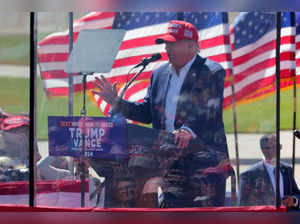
<point x="93" y="52"/>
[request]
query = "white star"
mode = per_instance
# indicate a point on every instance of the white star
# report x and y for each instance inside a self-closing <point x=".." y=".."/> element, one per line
<point x="133" y="14"/>
<point x="137" y="19"/>
<point x="244" y="32"/>
<point x="237" y="28"/>
<point x="261" y="17"/>
<point x="147" y="17"/>
<point x="256" y="14"/>
<point x="250" y="23"/>
<point x="261" y="31"/>
<point x="127" y="22"/>
<point x="238" y="41"/>
<point x="157" y="15"/>
<point x="205" y="16"/>
<point x="256" y="27"/>
<point x="250" y="36"/>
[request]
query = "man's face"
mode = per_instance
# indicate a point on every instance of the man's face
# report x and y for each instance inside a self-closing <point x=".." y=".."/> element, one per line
<point x="178" y="52"/>
<point x="270" y="150"/>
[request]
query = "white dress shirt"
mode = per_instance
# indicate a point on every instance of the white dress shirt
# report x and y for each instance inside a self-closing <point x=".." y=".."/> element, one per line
<point x="271" y="171"/>
<point x="173" y="93"/>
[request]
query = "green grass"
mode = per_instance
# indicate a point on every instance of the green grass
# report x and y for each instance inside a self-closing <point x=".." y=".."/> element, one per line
<point x="15" y="48"/>
<point x="260" y="116"/>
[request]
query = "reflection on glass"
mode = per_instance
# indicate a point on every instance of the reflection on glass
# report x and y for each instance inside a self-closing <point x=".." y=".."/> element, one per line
<point x="258" y="181"/>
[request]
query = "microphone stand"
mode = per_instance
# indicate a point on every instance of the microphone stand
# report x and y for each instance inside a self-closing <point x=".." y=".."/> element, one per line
<point x="82" y="167"/>
<point x="131" y="81"/>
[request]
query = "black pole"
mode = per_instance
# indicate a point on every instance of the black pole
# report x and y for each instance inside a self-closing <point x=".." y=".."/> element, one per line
<point x="82" y="164"/>
<point x="32" y="109"/>
<point x="278" y="36"/>
<point x="293" y="25"/>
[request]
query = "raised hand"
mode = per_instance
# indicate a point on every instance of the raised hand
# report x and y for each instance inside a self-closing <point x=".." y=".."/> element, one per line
<point x="107" y="91"/>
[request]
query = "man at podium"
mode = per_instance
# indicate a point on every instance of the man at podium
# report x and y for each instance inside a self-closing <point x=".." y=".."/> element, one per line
<point x="185" y="98"/>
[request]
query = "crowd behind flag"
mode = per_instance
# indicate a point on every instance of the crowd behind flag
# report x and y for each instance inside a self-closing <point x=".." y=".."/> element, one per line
<point x="247" y="51"/>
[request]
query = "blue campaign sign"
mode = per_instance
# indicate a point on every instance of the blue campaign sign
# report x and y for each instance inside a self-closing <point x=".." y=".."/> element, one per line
<point x="90" y="136"/>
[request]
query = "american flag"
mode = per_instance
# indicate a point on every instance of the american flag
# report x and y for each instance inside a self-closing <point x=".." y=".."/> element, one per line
<point x="139" y="42"/>
<point x="142" y="30"/>
<point x="253" y="38"/>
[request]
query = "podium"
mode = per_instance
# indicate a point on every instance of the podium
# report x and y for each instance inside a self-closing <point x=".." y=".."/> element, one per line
<point x="150" y="153"/>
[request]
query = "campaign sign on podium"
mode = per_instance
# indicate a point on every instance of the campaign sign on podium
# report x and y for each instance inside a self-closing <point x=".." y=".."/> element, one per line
<point x="90" y="136"/>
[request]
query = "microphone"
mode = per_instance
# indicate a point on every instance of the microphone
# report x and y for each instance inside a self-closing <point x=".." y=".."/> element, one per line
<point x="145" y="61"/>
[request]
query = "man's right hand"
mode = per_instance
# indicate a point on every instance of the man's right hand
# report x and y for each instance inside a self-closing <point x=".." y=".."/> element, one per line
<point x="107" y="91"/>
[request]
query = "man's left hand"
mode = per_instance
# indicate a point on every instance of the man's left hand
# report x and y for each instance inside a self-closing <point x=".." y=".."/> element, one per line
<point x="182" y="138"/>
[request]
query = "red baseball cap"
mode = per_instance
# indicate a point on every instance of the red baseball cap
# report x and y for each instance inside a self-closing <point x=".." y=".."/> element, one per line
<point x="178" y="30"/>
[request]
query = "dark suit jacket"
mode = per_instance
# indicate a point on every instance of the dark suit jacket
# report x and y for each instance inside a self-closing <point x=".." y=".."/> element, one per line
<point x="256" y="187"/>
<point x="199" y="105"/>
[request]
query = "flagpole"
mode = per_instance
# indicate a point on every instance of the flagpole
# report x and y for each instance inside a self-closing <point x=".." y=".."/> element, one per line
<point x="294" y="122"/>
<point x="71" y="88"/>
<point x="237" y="156"/>
<point x="293" y="21"/>
<point x="71" y="91"/>
<point x="278" y="37"/>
